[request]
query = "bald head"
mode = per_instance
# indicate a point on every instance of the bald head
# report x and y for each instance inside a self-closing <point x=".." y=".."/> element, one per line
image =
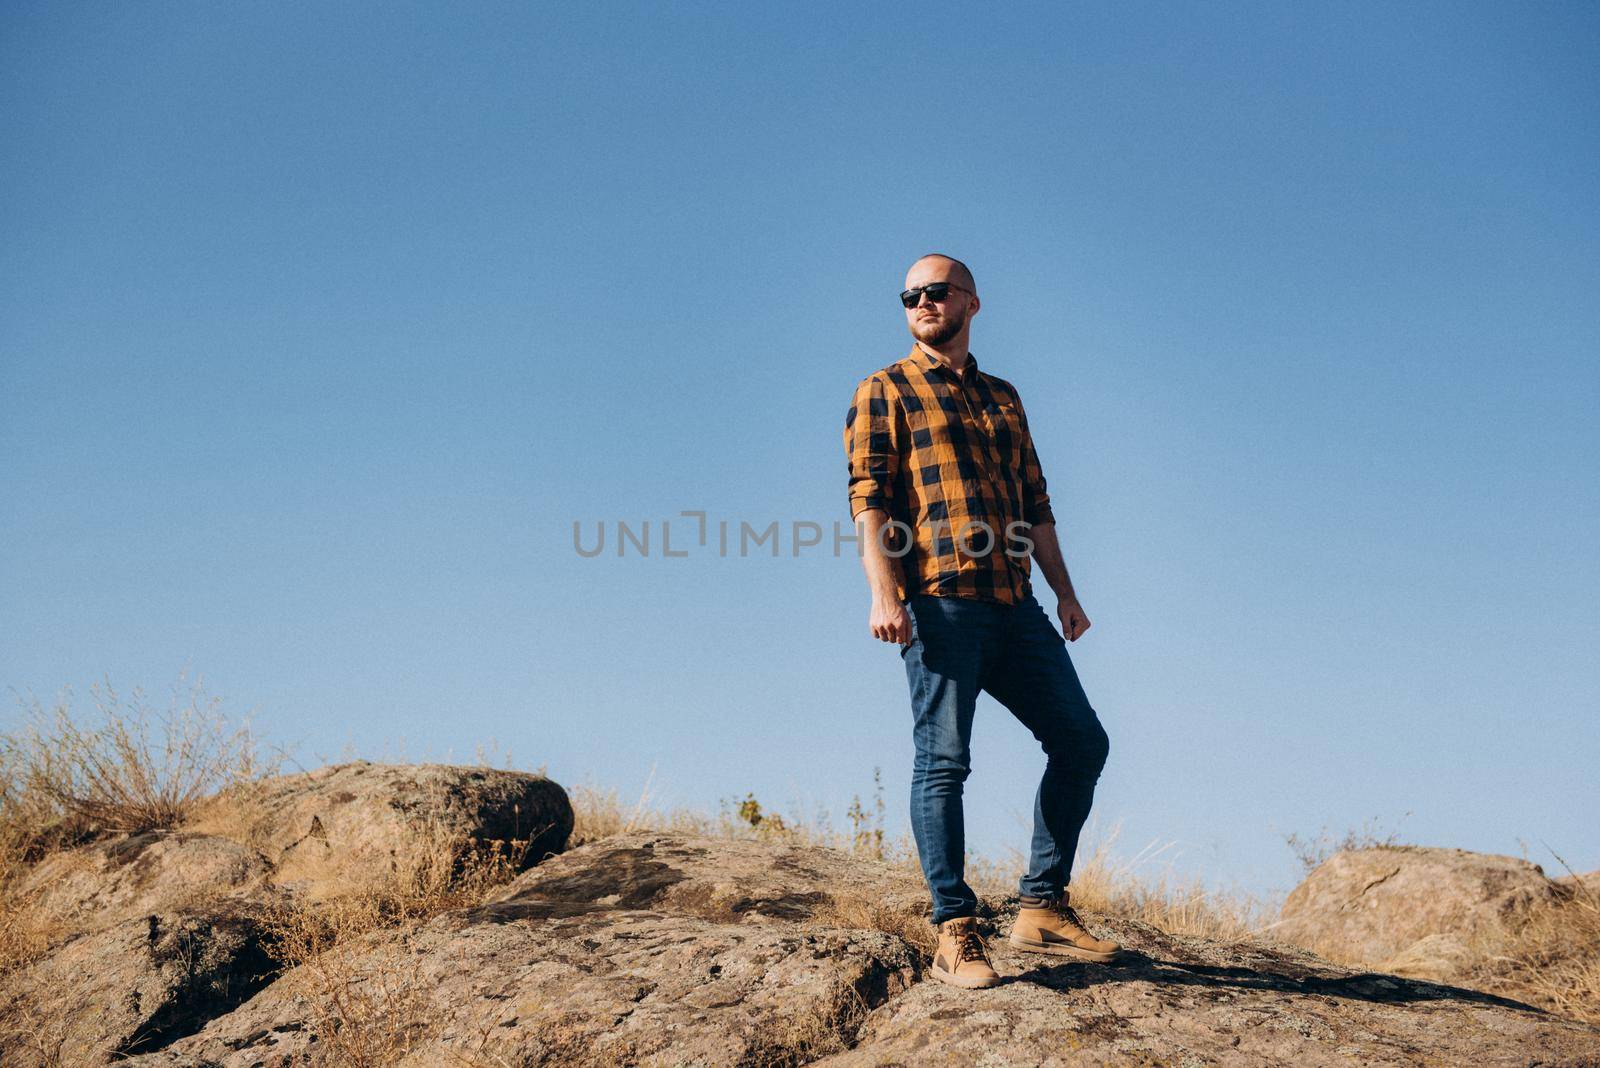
<point x="936" y="266"/>
<point x="945" y="322"/>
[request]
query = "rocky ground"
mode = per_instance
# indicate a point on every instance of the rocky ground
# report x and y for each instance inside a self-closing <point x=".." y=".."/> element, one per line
<point x="665" y="949"/>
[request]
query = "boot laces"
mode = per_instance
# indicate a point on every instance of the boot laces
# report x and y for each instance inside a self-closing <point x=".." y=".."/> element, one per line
<point x="1069" y="915"/>
<point x="968" y="945"/>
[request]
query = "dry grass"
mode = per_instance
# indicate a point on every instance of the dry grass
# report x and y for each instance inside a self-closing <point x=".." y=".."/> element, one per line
<point x="138" y="769"/>
<point x="865" y="911"/>
<point x="29" y="924"/>
<point x="599" y="813"/>
<point x="1108" y="882"/>
<point x="1104" y="881"/>
<point x="362" y="1010"/>
<point x="435" y="872"/>
<point x="234" y="812"/>
<point x="370" y="1006"/>
<point x="26" y="930"/>
<point x="828" y="1026"/>
<point x="1551" y="957"/>
<point x="41" y="1040"/>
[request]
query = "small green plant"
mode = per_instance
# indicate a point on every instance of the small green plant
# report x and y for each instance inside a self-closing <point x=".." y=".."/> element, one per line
<point x="867" y="827"/>
<point x="765" y="823"/>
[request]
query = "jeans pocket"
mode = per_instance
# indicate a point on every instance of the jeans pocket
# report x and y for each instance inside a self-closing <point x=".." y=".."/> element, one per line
<point x="911" y="613"/>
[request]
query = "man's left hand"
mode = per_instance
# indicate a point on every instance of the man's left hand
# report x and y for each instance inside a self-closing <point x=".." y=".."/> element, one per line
<point x="1073" y="621"/>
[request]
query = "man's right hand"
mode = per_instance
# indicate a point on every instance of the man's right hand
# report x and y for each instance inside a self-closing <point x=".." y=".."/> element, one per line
<point x="890" y="622"/>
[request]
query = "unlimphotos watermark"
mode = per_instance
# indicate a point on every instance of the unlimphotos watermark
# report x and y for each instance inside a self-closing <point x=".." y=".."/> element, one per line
<point x="975" y="538"/>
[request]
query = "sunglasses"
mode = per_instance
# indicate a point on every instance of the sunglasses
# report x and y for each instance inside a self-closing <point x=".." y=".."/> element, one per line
<point x="936" y="291"/>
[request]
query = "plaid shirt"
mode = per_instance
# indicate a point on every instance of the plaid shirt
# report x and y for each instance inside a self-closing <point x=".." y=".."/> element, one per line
<point x="939" y="453"/>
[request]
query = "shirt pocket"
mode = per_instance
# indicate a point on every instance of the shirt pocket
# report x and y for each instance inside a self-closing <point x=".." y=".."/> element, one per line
<point x="1005" y="426"/>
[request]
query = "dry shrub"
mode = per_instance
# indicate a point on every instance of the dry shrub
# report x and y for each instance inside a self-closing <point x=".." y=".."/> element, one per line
<point x="31" y="825"/>
<point x="1312" y="851"/>
<point x="139" y="769"/>
<point x="1104" y="882"/>
<point x="1551" y="956"/>
<point x="865" y="911"/>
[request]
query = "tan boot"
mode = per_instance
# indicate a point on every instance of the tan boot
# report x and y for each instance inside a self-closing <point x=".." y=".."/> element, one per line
<point x="1053" y="927"/>
<point x="961" y="959"/>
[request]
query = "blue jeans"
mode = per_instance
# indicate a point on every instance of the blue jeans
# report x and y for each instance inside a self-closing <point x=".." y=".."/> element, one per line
<point x="1015" y="654"/>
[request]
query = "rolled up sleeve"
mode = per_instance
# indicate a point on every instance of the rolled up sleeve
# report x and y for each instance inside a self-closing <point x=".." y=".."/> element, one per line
<point x="1035" y="498"/>
<point x="872" y="447"/>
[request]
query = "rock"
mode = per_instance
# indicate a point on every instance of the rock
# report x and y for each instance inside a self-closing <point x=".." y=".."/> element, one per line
<point x="659" y="949"/>
<point x="550" y="983"/>
<point x="1375" y="907"/>
<point x="131" y="986"/>
<point x="347" y="822"/>
<point x="1434" y="957"/>
<point x="1190" y="1001"/>
<point x="720" y="879"/>
<point x="102" y="884"/>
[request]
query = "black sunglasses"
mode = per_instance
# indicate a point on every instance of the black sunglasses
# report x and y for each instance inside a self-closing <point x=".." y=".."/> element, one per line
<point x="936" y="291"/>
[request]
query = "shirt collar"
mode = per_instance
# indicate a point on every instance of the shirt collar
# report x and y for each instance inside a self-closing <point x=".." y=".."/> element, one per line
<point x="929" y="361"/>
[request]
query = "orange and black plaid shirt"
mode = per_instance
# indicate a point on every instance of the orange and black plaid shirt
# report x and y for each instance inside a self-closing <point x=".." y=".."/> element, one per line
<point x="942" y="453"/>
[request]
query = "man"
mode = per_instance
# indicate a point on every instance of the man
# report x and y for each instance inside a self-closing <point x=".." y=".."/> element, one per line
<point x="949" y="497"/>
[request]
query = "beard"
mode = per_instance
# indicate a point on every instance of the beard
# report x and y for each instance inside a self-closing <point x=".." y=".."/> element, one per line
<point x="937" y="333"/>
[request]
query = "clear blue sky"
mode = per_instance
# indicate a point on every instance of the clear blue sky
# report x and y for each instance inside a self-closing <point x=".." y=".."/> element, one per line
<point x="320" y="324"/>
